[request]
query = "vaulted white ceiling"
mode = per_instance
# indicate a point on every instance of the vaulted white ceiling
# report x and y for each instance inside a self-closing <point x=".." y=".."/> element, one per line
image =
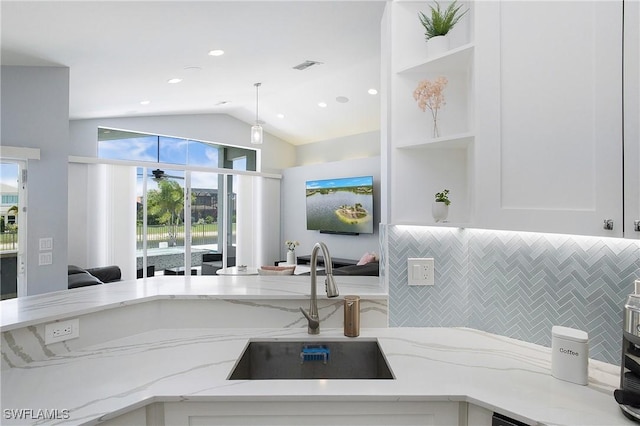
<point x="121" y="53"/>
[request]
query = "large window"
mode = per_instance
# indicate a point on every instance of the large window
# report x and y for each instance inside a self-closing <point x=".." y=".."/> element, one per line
<point x="123" y="145"/>
<point x="186" y="217"/>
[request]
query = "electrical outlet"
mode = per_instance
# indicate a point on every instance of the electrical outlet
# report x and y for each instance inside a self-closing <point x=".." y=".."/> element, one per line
<point x="420" y="271"/>
<point x="61" y="331"/>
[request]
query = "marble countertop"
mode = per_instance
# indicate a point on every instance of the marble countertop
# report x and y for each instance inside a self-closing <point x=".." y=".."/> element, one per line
<point x="114" y="376"/>
<point x="430" y="364"/>
<point x="32" y="310"/>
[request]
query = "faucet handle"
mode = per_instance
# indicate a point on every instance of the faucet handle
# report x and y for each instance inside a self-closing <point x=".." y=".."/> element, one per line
<point x="314" y="323"/>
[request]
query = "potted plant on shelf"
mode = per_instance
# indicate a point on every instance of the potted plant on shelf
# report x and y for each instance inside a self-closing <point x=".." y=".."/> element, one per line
<point x="438" y="24"/>
<point x="440" y="207"/>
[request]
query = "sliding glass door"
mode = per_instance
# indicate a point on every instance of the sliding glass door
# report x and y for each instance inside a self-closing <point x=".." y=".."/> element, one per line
<point x="12" y="226"/>
<point x="206" y="236"/>
<point x="167" y="238"/>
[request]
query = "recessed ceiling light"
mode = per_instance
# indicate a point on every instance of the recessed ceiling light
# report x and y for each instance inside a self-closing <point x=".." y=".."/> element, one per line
<point x="372" y="91"/>
<point x="174" y="80"/>
<point x="342" y="99"/>
<point x="322" y="104"/>
<point x="145" y="102"/>
<point x="193" y="69"/>
<point x="280" y="115"/>
<point x="216" y="52"/>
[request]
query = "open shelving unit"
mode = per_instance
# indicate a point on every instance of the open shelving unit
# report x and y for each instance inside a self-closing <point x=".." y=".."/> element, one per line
<point x="422" y="165"/>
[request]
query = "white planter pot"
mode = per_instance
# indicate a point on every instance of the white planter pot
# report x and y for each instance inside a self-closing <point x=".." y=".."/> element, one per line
<point x="440" y="211"/>
<point x="291" y="257"/>
<point x="437" y="45"/>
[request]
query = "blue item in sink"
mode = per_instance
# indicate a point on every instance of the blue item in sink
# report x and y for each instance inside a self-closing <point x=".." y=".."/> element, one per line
<point x="314" y="353"/>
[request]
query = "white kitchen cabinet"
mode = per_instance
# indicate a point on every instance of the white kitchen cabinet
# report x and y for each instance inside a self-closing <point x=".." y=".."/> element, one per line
<point x="478" y="416"/>
<point x="532" y="133"/>
<point x="419" y="163"/>
<point x="631" y="118"/>
<point x="548" y="116"/>
<point x="311" y="413"/>
<point x="135" y="417"/>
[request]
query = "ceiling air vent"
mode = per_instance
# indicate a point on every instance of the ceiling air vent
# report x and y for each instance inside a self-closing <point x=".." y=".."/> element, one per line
<point x="306" y="64"/>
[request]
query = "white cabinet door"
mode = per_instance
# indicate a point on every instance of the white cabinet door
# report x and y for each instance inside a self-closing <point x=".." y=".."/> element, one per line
<point x="549" y="113"/>
<point x="311" y="413"/>
<point x="631" y="118"/>
<point x="478" y="416"/>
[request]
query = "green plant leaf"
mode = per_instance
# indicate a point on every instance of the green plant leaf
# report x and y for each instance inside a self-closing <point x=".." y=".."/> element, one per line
<point x="441" y="22"/>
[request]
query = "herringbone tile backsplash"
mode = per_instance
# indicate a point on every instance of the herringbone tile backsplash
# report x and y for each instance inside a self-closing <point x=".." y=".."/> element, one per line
<point x="514" y="284"/>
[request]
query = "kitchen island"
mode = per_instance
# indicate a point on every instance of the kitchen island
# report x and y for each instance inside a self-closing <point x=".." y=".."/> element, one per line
<point x="158" y="373"/>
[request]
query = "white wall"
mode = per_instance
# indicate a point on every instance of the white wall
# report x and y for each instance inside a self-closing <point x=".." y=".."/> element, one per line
<point x="218" y="128"/>
<point x="35" y="114"/>
<point x="362" y="145"/>
<point x="294" y="224"/>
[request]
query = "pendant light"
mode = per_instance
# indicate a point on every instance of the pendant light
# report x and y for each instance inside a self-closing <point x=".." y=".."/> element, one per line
<point x="256" y="129"/>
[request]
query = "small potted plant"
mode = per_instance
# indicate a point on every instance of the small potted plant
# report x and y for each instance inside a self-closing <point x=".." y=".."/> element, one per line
<point x="440" y="207"/>
<point x="438" y="24"/>
<point x="291" y="252"/>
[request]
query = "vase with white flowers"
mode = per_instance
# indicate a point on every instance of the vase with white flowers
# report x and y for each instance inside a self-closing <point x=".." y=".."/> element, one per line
<point x="291" y="251"/>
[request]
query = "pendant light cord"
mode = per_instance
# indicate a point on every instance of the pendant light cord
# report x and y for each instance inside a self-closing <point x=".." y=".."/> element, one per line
<point x="257" y="103"/>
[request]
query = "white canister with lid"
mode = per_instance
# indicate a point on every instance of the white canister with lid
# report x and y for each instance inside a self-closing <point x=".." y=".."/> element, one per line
<point x="570" y="354"/>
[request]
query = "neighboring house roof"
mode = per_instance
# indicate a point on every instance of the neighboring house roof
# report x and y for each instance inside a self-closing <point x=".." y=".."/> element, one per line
<point x="8" y="189"/>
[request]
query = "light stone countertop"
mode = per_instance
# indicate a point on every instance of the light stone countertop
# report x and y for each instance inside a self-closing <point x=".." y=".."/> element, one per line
<point x="430" y="364"/>
<point x="113" y="377"/>
<point x="33" y="310"/>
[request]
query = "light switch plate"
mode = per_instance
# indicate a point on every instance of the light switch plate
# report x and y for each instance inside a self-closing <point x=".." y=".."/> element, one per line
<point x="46" y="244"/>
<point x="45" y="258"/>
<point x="420" y="271"/>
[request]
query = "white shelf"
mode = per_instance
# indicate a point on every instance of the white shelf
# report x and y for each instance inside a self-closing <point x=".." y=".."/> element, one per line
<point x="420" y="164"/>
<point x="459" y="141"/>
<point x="456" y="59"/>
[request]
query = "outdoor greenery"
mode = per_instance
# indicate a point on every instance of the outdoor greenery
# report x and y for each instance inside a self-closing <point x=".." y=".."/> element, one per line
<point x="166" y="204"/>
<point x="165" y="219"/>
<point x="206" y="233"/>
<point x="9" y="239"/>
<point x="9" y="232"/>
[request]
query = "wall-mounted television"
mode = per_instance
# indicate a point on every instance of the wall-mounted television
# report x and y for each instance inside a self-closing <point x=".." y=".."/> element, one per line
<point x="340" y="206"/>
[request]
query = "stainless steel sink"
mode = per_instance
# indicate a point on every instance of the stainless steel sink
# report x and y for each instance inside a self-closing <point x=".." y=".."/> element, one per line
<point x="311" y="359"/>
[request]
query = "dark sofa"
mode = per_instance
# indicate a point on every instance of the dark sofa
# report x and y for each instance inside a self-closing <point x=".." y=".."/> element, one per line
<point x="80" y="277"/>
<point x="212" y="262"/>
<point x="371" y="269"/>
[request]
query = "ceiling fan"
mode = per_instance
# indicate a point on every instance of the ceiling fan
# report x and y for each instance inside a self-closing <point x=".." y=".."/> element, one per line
<point x="159" y="175"/>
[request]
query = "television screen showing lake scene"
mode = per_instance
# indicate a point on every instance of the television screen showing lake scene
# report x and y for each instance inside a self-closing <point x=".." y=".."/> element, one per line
<point x="340" y="205"/>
